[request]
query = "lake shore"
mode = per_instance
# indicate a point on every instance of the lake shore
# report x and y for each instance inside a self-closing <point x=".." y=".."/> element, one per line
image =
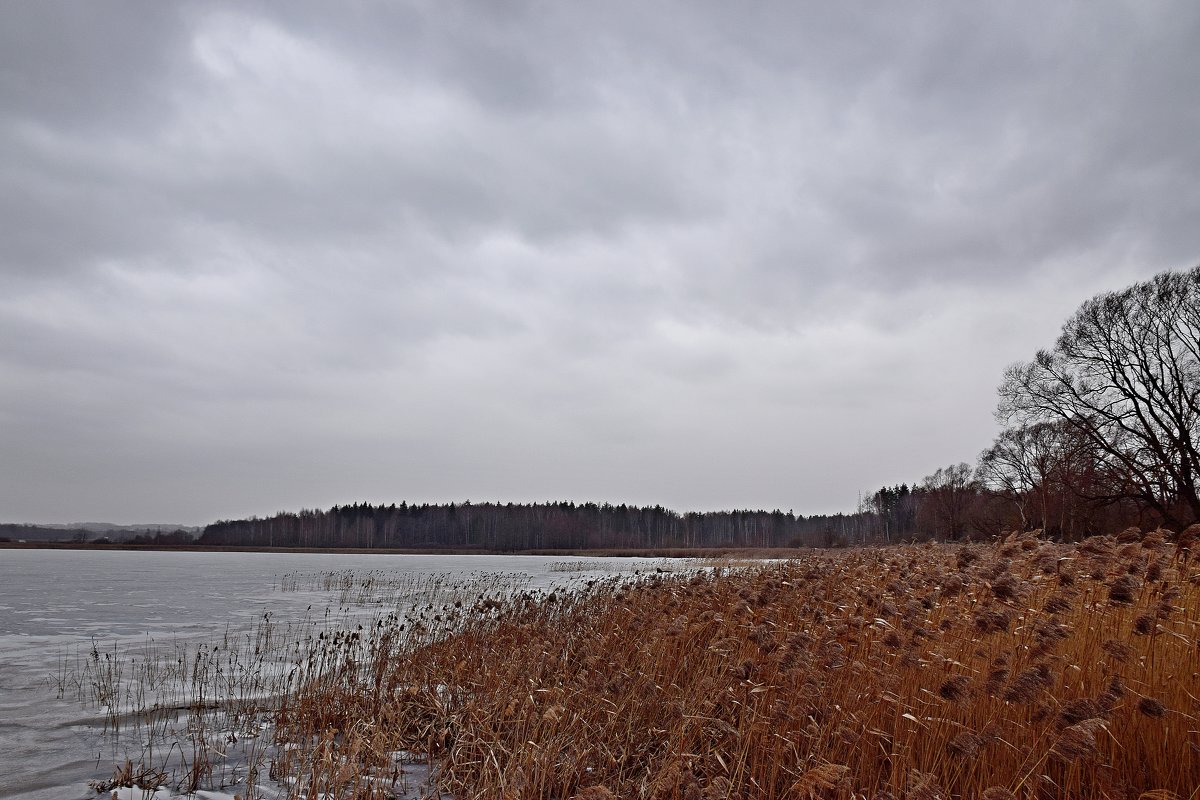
<point x="73" y="621"/>
<point x="1013" y="670"/>
<point x="1017" y="670"/>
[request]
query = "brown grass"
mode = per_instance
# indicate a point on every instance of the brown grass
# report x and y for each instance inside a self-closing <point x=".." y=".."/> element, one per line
<point x="1022" y="670"/>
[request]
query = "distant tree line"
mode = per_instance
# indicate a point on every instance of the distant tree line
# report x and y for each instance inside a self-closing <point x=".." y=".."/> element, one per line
<point x="1101" y="432"/>
<point x="536" y="526"/>
<point x="161" y="539"/>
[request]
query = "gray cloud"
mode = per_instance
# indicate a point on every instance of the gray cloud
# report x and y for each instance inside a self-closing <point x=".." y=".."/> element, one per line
<point x="268" y="255"/>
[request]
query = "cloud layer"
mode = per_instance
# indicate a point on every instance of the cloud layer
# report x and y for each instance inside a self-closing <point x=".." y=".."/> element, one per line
<point x="267" y="256"/>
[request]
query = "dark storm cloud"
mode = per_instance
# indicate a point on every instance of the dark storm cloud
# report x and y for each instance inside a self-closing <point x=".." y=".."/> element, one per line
<point x="263" y="255"/>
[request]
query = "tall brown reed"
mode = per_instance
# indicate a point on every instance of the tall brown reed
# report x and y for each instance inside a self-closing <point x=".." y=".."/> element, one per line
<point x="1024" y="670"/>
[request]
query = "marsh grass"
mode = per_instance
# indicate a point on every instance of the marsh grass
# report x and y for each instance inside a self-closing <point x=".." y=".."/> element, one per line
<point x="194" y="715"/>
<point x="1024" y="669"/>
<point x="405" y="589"/>
<point x="188" y="714"/>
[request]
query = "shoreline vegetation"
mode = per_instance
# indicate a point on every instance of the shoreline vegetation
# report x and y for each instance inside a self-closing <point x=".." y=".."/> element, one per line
<point x="1023" y="668"/>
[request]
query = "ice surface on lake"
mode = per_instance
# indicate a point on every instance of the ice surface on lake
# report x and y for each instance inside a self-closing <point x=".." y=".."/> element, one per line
<point x="55" y="603"/>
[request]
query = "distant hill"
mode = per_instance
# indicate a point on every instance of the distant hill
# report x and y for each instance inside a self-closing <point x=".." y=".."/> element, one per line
<point x="112" y="526"/>
<point x="87" y="531"/>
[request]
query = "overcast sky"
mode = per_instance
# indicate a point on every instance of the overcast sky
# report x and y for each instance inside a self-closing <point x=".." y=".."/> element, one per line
<point x="257" y="257"/>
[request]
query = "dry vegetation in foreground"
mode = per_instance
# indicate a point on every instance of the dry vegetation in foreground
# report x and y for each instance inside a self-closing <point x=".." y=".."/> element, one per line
<point x="1020" y="670"/>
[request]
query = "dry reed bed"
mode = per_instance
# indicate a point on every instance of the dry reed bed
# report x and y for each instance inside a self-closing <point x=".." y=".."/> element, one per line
<point x="198" y="715"/>
<point x="1025" y="669"/>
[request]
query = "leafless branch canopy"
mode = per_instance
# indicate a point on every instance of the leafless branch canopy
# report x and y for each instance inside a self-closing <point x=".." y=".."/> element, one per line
<point x="1124" y="376"/>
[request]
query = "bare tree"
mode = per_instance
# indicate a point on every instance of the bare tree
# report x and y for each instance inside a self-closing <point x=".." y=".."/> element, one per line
<point x="949" y="493"/>
<point x="1036" y="468"/>
<point x="1125" y="376"/>
<point x="1016" y="465"/>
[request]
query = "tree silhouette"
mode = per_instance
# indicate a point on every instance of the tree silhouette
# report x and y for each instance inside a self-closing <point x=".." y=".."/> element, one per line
<point x="1125" y="376"/>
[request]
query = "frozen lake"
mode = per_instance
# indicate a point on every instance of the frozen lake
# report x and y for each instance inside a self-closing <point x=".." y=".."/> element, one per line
<point x="57" y="604"/>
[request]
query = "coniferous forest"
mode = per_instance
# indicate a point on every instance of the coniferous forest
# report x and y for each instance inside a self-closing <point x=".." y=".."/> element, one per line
<point x="541" y="526"/>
